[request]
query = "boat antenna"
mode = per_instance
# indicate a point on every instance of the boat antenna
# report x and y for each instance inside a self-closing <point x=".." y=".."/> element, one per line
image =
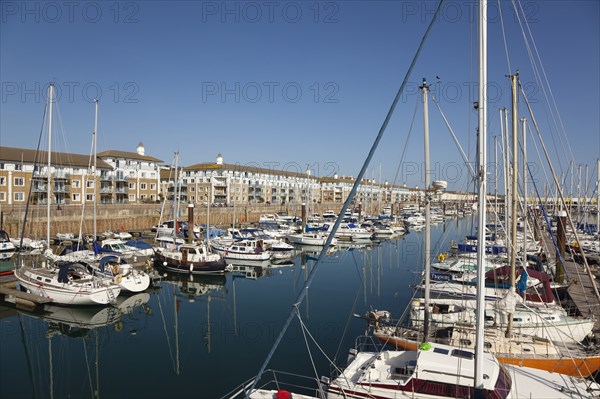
<point x="349" y="199"/>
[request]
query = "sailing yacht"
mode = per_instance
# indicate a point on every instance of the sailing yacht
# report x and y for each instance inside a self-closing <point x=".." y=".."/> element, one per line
<point x="65" y="282"/>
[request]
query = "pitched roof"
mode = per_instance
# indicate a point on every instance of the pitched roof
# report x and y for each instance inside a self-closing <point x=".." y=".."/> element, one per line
<point x="127" y="155"/>
<point x="28" y="156"/>
<point x="246" y="168"/>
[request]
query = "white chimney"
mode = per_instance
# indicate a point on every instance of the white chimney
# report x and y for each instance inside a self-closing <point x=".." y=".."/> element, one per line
<point x="140" y="149"/>
<point x="219" y="159"/>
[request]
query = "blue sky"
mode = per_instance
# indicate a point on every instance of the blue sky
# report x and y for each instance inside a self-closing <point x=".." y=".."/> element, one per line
<point x="291" y="84"/>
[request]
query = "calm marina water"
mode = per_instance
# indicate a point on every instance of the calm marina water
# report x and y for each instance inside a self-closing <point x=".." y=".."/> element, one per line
<point x="201" y="338"/>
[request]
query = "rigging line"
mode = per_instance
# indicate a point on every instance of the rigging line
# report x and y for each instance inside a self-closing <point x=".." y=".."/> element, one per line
<point x="312" y="361"/>
<point x="545" y="78"/>
<point x="63" y="136"/>
<point x="462" y="153"/>
<point x="357" y="182"/>
<point x="164" y="202"/>
<point x="84" y="184"/>
<point x="305" y="331"/>
<point x="417" y="102"/>
<point x="504" y="35"/>
<point x="543" y="83"/>
<point x="35" y="162"/>
<point x="559" y="190"/>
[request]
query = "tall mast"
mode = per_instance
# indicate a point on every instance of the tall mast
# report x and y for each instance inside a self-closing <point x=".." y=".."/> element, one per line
<point x="513" y="220"/>
<point x="425" y="88"/>
<point x="176" y="193"/>
<point x="94" y="169"/>
<point x="482" y="176"/>
<point x="526" y="212"/>
<point x="496" y="180"/>
<point x="48" y="172"/>
<point x="507" y="171"/>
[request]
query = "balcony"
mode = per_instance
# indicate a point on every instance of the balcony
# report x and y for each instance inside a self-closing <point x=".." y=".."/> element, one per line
<point x="37" y="188"/>
<point x="40" y="175"/>
<point x="61" y="175"/>
<point x="120" y="177"/>
<point x="106" y="177"/>
<point x="62" y="189"/>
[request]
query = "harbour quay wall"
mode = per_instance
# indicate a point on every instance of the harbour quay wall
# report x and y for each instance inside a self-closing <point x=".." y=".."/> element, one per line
<point x="132" y="217"/>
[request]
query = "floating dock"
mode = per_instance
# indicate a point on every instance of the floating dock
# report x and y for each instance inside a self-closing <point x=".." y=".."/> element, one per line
<point x="9" y="293"/>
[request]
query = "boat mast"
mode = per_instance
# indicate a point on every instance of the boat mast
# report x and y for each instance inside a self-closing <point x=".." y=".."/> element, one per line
<point x="526" y="212"/>
<point x="176" y="194"/>
<point x="94" y="169"/>
<point x="482" y="176"/>
<point x="48" y="172"/>
<point x="424" y="89"/>
<point x="507" y="172"/>
<point x="513" y="220"/>
<point x="496" y="183"/>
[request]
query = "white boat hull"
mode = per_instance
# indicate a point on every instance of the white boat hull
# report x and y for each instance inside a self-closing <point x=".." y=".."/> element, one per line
<point x="67" y="293"/>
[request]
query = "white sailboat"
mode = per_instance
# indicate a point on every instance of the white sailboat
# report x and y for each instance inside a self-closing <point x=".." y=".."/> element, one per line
<point x="65" y="282"/>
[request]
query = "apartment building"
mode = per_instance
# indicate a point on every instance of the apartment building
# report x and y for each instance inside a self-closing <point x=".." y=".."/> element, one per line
<point x="121" y="177"/>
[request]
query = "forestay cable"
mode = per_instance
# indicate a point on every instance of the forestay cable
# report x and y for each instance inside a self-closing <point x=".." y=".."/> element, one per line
<point x="357" y="182"/>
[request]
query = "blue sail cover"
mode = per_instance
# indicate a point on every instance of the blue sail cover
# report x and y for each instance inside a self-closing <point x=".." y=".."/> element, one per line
<point x="63" y="272"/>
<point x="522" y="283"/>
<point x="99" y="250"/>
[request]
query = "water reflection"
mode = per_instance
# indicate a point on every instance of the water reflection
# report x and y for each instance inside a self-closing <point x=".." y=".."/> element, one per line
<point x="182" y="335"/>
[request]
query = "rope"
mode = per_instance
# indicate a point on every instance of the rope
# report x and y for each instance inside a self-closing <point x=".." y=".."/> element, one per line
<point x="406" y="142"/>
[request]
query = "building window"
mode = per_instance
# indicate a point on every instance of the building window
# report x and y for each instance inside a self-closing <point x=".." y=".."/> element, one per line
<point x="143" y="175"/>
<point x="76" y="184"/>
<point x="143" y="197"/>
<point x="89" y="184"/>
<point x="131" y="186"/>
<point x="19" y="181"/>
<point x="89" y="197"/>
<point x="18" y="167"/>
<point x="142" y="186"/>
<point x="191" y="189"/>
<point x="2" y="196"/>
<point x="2" y="181"/>
<point x="152" y="186"/>
<point x="131" y="197"/>
<point x="76" y="197"/>
<point x="19" y="196"/>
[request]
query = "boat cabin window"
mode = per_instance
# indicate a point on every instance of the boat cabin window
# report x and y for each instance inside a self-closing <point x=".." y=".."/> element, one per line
<point x="462" y="354"/>
<point x="518" y="319"/>
<point x="441" y="350"/>
<point x="465" y="342"/>
<point x="487" y="345"/>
